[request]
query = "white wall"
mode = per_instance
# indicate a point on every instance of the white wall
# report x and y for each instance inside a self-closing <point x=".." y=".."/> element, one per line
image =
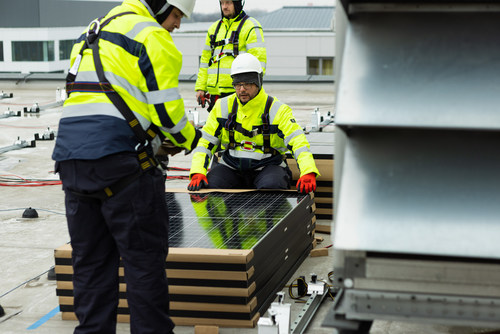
<point x="286" y="51"/>
<point x="36" y="34"/>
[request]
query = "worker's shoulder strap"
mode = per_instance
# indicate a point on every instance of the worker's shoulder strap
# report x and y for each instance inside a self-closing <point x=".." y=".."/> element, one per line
<point x="144" y="149"/>
<point x="266" y="126"/>
<point x="213" y="37"/>
<point x="233" y="39"/>
<point x="92" y="33"/>
<point x="235" y="36"/>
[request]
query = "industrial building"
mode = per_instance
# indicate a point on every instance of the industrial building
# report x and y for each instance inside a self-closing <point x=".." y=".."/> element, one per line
<point x="37" y="37"/>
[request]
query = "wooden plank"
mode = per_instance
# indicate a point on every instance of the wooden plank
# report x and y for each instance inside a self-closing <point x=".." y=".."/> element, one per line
<point x="202" y="255"/>
<point x="325" y="168"/>
<point x="186" y="290"/>
<point x="206" y="329"/>
<point x="124" y="318"/>
<point x="320" y="228"/>
<point x="189" y="306"/>
<point x="319" y="252"/>
<point x="184" y="273"/>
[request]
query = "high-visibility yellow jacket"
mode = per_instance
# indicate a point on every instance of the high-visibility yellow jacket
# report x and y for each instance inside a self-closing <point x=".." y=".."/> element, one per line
<point x="142" y="63"/>
<point x="214" y="74"/>
<point x="285" y="135"/>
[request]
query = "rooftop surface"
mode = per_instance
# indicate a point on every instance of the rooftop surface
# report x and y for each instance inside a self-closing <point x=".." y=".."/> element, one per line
<point x="27" y="245"/>
<point x="26" y="294"/>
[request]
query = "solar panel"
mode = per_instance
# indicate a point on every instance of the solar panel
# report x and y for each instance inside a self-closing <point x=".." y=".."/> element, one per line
<point x="230" y="252"/>
<point x="226" y="220"/>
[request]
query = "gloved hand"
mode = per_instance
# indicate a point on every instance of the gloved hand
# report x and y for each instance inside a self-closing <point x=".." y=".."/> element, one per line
<point x="198" y="181"/>
<point x="202" y="97"/>
<point x="168" y="148"/>
<point x="306" y="183"/>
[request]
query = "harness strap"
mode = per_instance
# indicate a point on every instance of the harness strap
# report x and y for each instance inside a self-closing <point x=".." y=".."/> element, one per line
<point x="212" y="42"/>
<point x="230" y="123"/>
<point x="144" y="150"/>
<point x="112" y="189"/>
<point x="266" y="127"/>
<point x="232" y="126"/>
<point x="233" y="39"/>
<point x="236" y="36"/>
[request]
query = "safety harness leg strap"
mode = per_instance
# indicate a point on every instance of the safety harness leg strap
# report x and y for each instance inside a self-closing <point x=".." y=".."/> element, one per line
<point x="112" y="189"/>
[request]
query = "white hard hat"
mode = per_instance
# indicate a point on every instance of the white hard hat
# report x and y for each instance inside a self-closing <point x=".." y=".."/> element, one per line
<point x="246" y="68"/>
<point x="185" y="6"/>
<point x="160" y="9"/>
<point x="246" y="63"/>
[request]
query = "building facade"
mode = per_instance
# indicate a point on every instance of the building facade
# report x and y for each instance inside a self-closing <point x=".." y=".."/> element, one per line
<point x="300" y="41"/>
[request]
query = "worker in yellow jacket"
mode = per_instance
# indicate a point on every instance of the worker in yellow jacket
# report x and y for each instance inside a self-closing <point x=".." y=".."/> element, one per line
<point x="235" y="33"/>
<point x="123" y="102"/>
<point x="254" y="131"/>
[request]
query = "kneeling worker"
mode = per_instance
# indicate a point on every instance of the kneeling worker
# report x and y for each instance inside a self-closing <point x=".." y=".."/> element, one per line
<point x="254" y="131"/>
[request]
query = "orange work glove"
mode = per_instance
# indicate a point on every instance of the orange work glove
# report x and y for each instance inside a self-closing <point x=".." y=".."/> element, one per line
<point x="198" y="181"/>
<point x="306" y="183"/>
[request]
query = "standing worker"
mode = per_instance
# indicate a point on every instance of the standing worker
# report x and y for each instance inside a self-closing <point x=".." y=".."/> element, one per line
<point x="236" y="33"/>
<point x="123" y="101"/>
<point x="254" y="131"/>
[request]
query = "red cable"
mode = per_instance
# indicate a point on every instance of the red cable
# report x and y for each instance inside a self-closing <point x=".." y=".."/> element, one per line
<point x="28" y="183"/>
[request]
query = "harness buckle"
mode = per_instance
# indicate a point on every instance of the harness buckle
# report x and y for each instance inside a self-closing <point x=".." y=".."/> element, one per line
<point x="140" y="146"/>
<point x="93" y="30"/>
<point x="219" y="56"/>
<point x="247" y="145"/>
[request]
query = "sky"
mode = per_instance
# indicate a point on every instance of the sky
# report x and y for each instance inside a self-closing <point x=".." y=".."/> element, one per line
<point x="212" y="6"/>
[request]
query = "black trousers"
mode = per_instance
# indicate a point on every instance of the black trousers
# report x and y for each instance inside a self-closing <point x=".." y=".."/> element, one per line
<point x="133" y="225"/>
<point x="270" y="177"/>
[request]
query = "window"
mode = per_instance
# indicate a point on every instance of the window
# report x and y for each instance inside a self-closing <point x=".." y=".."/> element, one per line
<point x="33" y="51"/>
<point x="65" y="47"/>
<point x="320" y="66"/>
<point x="1" y="51"/>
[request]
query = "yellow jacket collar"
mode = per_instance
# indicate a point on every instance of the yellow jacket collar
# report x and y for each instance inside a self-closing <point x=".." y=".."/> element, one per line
<point x="256" y="104"/>
<point x="229" y="22"/>
<point x="137" y="7"/>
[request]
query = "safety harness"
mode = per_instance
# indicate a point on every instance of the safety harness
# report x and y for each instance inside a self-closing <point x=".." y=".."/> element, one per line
<point x="233" y="39"/>
<point x="144" y="150"/>
<point x="265" y="129"/>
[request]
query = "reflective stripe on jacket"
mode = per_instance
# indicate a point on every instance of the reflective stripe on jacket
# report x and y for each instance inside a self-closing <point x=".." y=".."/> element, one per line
<point x="285" y="135"/>
<point x="216" y="79"/>
<point x="142" y="63"/>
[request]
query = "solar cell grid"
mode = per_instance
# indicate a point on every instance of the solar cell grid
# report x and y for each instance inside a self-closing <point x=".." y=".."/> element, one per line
<point x="226" y="220"/>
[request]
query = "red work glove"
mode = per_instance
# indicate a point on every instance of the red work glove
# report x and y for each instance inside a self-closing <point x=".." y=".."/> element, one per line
<point x="198" y="181"/>
<point x="306" y="183"/>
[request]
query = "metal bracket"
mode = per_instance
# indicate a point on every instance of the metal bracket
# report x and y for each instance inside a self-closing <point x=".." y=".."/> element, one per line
<point x="318" y="293"/>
